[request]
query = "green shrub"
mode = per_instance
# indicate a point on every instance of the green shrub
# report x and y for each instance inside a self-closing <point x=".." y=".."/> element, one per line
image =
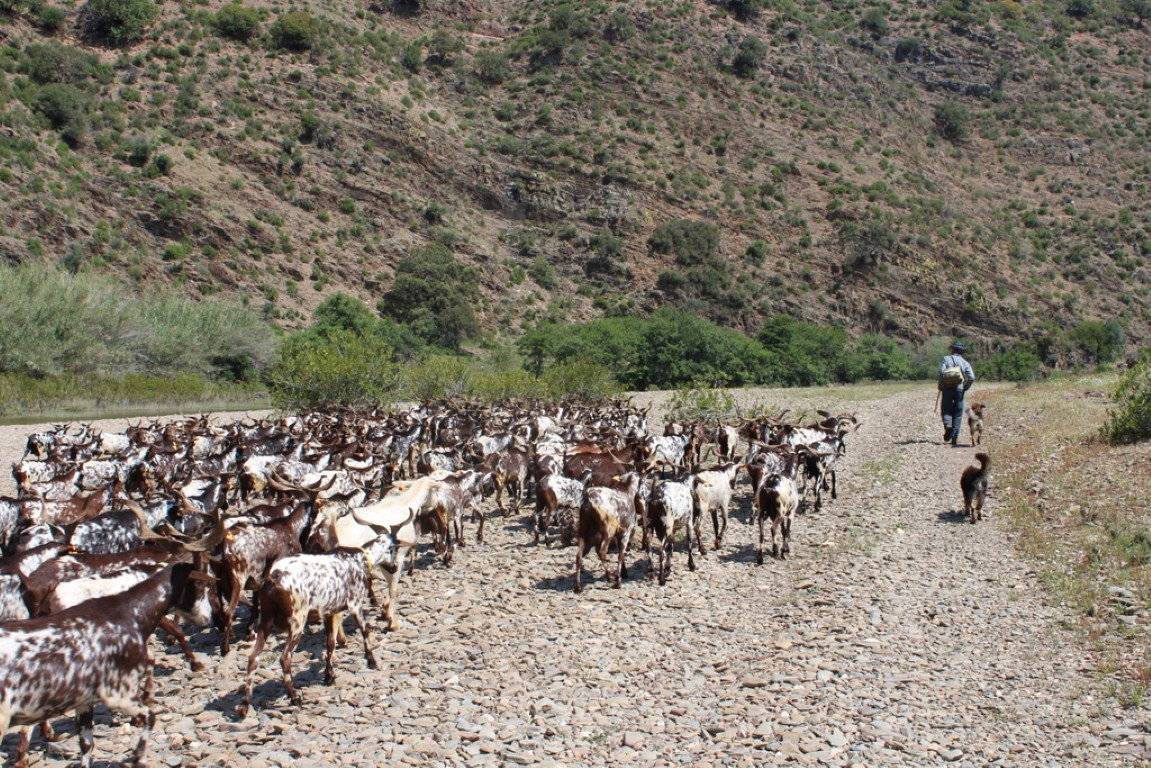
<point x="492" y="67"/>
<point x="296" y="31"/>
<point x="1019" y="364"/>
<point x="581" y="378"/>
<point x="803" y="354"/>
<point x="691" y="242"/>
<point x="874" y="22"/>
<point x="51" y="18"/>
<point x="434" y="295"/>
<point x="744" y="9"/>
<point x="1098" y="342"/>
<point x="439" y="377"/>
<point x="545" y="275"/>
<point x="66" y="108"/>
<point x="678" y="348"/>
<point x="749" y="57"/>
<point x="412" y="57"/>
<point x="1130" y="420"/>
<point x="702" y="402"/>
<point x="238" y="22"/>
<point x="54" y="62"/>
<point x="339" y="368"/>
<point x="952" y="122"/>
<point x="59" y="324"/>
<point x="877" y="358"/>
<point x="122" y="21"/>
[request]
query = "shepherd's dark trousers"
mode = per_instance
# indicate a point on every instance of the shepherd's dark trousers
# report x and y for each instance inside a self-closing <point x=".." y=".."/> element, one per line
<point x="952" y="410"/>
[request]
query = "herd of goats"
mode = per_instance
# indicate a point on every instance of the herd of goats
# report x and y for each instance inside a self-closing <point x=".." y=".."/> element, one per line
<point x="113" y="535"/>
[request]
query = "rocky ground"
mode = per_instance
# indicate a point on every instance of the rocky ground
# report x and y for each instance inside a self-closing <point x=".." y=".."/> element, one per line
<point x="897" y="634"/>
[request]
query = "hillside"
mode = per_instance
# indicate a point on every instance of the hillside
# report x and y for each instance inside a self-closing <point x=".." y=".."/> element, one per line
<point x="958" y="168"/>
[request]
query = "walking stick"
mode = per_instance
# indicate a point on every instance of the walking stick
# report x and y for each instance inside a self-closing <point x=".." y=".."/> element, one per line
<point x="938" y="395"/>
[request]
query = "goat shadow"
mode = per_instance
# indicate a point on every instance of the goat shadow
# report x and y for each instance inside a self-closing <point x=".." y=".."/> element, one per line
<point x="271" y="694"/>
<point x="952" y="516"/>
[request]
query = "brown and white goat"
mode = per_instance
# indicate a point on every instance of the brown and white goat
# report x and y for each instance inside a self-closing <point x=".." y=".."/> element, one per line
<point x="326" y="585"/>
<point x="670" y="508"/>
<point x="556" y="494"/>
<point x="776" y="499"/>
<point x="249" y="550"/>
<point x="407" y="512"/>
<point x="713" y="494"/>
<point x="607" y="515"/>
<point x="94" y="653"/>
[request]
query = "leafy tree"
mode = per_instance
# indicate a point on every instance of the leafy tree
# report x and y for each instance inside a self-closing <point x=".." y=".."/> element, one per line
<point x="296" y="31"/>
<point x="442" y="46"/>
<point x="952" y="122"/>
<point x="238" y="22"/>
<point x="874" y="22"/>
<point x="433" y="294"/>
<point x="1130" y="420"/>
<point x="877" y="358"/>
<point x="801" y="353"/>
<point x="66" y="108"/>
<point x="620" y="27"/>
<point x="691" y="242"/>
<point x="123" y="21"/>
<point x="744" y="10"/>
<point x="749" y="57"/>
<point x="1139" y="10"/>
<point x="1019" y="363"/>
<point x="54" y="62"/>
<point x="679" y="348"/>
<point x="492" y="68"/>
<point x="1098" y="342"/>
<point x="341" y="368"/>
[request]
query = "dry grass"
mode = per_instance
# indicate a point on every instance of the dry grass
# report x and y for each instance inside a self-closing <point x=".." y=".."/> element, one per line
<point x="1081" y="510"/>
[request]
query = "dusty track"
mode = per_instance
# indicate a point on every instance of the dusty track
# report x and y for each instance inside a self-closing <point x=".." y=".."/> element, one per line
<point x="896" y="635"/>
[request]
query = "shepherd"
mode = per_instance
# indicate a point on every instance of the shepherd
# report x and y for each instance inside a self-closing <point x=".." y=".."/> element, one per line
<point x="955" y="378"/>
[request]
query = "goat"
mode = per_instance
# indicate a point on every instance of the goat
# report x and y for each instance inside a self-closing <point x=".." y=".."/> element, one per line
<point x="670" y="507"/>
<point x="249" y="550"/>
<point x="713" y="493"/>
<point x="326" y="584"/>
<point x="509" y="468"/>
<point x="407" y="512"/>
<point x="554" y="494"/>
<point x="93" y="653"/>
<point x="777" y="499"/>
<point x="607" y="515"/>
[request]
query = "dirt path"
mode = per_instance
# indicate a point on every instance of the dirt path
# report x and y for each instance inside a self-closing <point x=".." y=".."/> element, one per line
<point x="896" y="635"/>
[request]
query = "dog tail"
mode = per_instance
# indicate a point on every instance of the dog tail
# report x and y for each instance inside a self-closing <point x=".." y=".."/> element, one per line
<point x="984" y="461"/>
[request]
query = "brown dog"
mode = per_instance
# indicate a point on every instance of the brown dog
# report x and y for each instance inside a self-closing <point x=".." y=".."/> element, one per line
<point x="974" y="485"/>
<point x="975" y="422"/>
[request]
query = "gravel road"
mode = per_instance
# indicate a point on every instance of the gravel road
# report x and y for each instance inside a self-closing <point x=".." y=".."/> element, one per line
<point x="897" y="634"/>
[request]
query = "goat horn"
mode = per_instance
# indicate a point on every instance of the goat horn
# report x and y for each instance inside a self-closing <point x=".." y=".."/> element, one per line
<point x="209" y="542"/>
<point x="146" y="531"/>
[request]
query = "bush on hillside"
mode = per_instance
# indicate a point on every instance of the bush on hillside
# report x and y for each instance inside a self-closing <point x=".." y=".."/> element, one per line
<point x="238" y="22"/>
<point x="748" y="57"/>
<point x="54" y="62"/>
<point x="691" y="242"/>
<point x="1130" y="420"/>
<point x="952" y="122"/>
<point x="433" y="295"/>
<point x="295" y="31"/>
<point x="122" y="21"/>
